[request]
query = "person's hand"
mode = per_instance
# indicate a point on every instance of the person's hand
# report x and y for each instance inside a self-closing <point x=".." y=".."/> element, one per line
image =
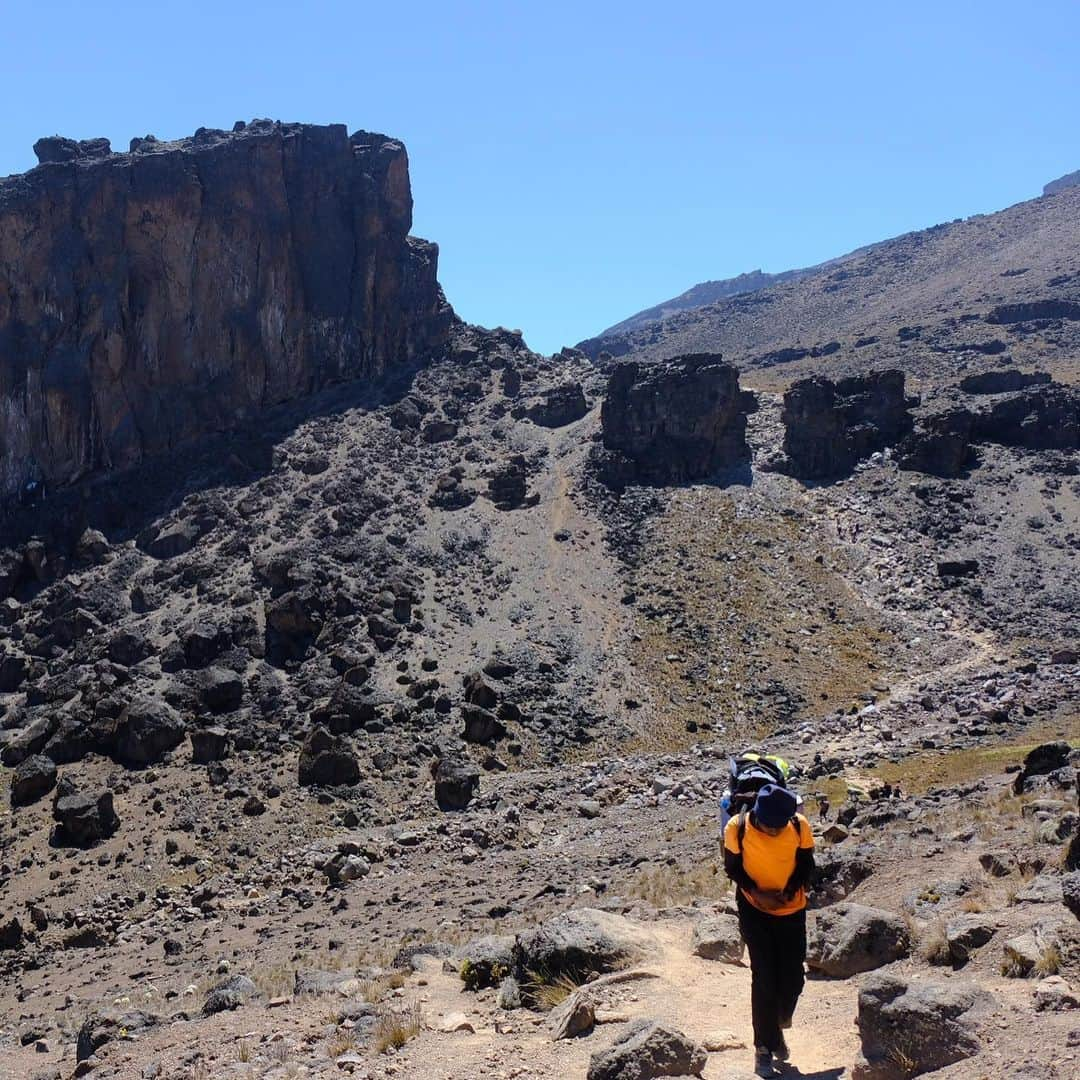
<point x="768" y="899"/>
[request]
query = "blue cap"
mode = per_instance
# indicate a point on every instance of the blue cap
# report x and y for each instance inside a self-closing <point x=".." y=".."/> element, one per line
<point x="774" y="806"/>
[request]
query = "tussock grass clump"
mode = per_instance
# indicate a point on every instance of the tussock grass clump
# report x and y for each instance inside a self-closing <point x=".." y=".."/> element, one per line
<point x="1049" y="962"/>
<point x="934" y="944"/>
<point x="341" y="1042"/>
<point x="547" y="992"/>
<point x="275" y="981"/>
<point x="395" y="1027"/>
<point x="376" y="989"/>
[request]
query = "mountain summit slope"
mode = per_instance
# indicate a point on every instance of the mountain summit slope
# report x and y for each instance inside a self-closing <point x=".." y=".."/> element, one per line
<point x="901" y="301"/>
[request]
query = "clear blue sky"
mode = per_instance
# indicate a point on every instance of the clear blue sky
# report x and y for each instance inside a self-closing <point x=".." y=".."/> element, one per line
<point x="579" y="161"/>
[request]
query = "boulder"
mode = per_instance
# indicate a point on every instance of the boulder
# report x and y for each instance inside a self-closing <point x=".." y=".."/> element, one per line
<point x="481" y="725"/>
<point x="648" y="1049"/>
<point x="925" y="1025"/>
<point x="673" y="422"/>
<point x="148" y="729"/>
<point x="1002" y="381"/>
<point x="557" y="407"/>
<point x="579" y="943"/>
<point x="231" y="993"/>
<point x="456" y="782"/>
<point x="1054" y="994"/>
<point x="221" y="690"/>
<point x="82" y="820"/>
<point x="209" y="744"/>
<point x="837" y="871"/>
<point x="327" y="760"/>
<point x="508" y="484"/>
<point x="1070" y="892"/>
<point x="939" y="444"/>
<point x="719" y="938"/>
<point x="486" y="961"/>
<point x="847" y="939"/>
<point x="1042" y="760"/>
<point x="35" y="777"/>
<point x="102" y="1027"/>
<point x="11" y="934"/>
<point x="966" y="933"/>
<point x="27" y="741"/>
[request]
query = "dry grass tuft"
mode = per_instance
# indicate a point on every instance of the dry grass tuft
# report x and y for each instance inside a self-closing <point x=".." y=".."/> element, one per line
<point x="395" y="1027"/>
<point x="276" y="981"/>
<point x="934" y="944"/>
<point x="548" y="993"/>
<point x="670" y="886"/>
<point x="341" y="1042"/>
<point x="1049" y="962"/>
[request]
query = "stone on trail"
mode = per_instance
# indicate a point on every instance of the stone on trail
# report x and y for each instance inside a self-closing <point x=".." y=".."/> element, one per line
<point x="573" y="1017"/>
<point x="456" y="1021"/>
<point x="927" y="1024"/>
<point x="719" y="938"/>
<point x="648" y="1049"/>
<point x="849" y="938"/>
<point x="580" y="942"/>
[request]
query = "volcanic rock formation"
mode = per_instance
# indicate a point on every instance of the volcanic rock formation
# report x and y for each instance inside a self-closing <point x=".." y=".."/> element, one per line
<point x="148" y="298"/>
<point x="830" y="426"/>
<point x="675" y="422"/>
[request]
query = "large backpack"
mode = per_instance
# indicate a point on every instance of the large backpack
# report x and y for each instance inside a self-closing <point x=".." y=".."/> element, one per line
<point x="748" y="774"/>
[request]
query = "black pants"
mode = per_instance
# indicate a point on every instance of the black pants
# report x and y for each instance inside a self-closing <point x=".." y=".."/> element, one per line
<point x="777" y="945"/>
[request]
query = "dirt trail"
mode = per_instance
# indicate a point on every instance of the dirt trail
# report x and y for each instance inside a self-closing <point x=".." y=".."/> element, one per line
<point x="704" y="999"/>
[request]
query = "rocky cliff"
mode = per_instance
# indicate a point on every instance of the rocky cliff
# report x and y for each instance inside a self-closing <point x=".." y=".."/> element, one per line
<point x="149" y="297"/>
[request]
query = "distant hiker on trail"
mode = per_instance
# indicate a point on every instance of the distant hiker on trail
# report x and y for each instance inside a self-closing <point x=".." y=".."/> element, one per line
<point x="769" y="854"/>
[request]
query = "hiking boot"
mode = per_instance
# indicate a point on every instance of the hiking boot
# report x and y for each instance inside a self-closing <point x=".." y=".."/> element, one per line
<point x="763" y="1065"/>
<point x="782" y="1053"/>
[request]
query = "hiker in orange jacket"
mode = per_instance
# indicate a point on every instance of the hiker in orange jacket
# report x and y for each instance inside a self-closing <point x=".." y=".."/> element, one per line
<point x="769" y="854"/>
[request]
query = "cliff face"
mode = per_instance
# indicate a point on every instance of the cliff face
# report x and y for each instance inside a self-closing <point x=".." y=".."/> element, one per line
<point x="150" y="297"/>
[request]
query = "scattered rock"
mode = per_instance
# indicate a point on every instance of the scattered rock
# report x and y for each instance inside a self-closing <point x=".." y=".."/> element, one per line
<point x="847" y="939"/>
<point x="648" y="1049"/>
<point x="927" y="1024"/>
<point x="327" y="760"/>
<point x="719" y="938"/>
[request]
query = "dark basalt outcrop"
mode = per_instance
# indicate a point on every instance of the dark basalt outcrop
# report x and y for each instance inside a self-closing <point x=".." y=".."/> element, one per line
<point x="152" y="297"/>
<point x="1002" y="382"/>
<point x="830" y="426"/>
<point x="1006" y="314"/>
<point x="1045" y="416"/>
<point x="673" y="422"/>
